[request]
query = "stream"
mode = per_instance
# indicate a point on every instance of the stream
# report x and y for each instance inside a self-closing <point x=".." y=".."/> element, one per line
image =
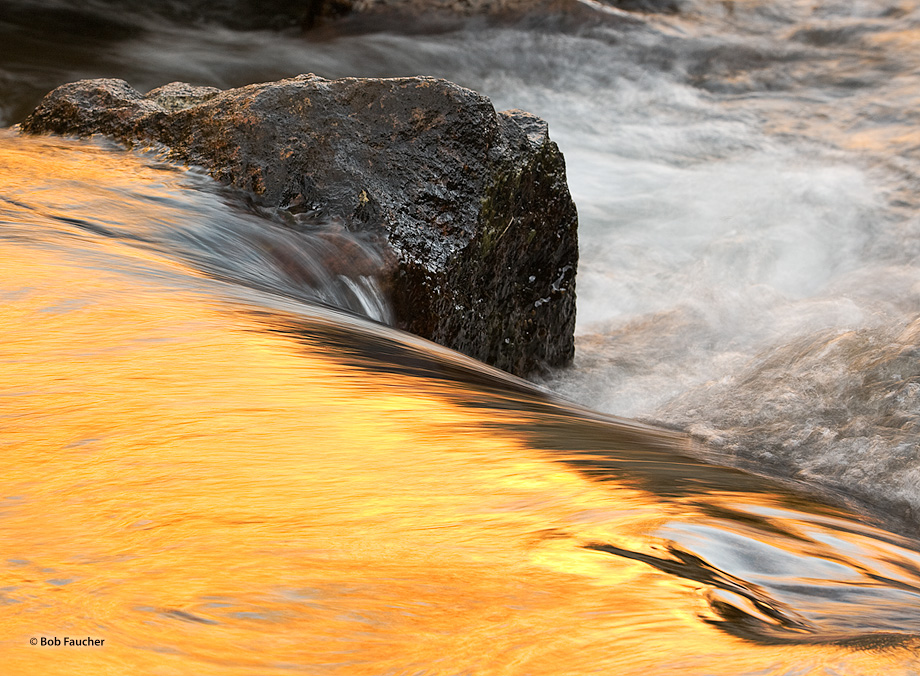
<point x="219" y="457"/>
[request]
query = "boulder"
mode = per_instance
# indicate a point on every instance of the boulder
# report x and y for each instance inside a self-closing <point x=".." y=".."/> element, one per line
<point x="470" y="206"/>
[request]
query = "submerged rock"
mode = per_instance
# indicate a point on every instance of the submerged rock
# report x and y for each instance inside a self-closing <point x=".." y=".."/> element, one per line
<point x="471" y="206"/>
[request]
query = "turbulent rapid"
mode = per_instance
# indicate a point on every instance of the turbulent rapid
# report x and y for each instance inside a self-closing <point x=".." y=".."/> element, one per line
<point x="220" y="459"/>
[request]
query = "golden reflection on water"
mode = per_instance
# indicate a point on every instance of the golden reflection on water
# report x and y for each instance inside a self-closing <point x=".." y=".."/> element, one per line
<point x="210" y="497"/>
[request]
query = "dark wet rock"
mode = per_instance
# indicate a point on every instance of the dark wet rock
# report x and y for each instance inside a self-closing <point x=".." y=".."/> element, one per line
<point x="180" y="95"/>
<point x="470" y="205"/>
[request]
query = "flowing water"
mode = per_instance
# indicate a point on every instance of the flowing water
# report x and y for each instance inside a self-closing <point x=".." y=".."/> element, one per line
<point x="218" y="458"/>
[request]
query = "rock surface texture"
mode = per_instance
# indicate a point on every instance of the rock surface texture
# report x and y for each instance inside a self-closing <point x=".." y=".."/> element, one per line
<point x="470" y="205"/>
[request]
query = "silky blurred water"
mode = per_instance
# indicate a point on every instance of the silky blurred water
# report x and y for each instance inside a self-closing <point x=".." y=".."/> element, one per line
<point x="218" y="471"/>
<point x="215" y="471"/>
